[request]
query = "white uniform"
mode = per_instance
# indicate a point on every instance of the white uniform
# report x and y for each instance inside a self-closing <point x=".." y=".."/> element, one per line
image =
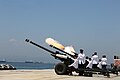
<point x="81" y="58"/>
<point x="104" y="61"/>
<point x="94" y="59"/>
<point x="74" y="64"/>
<point x="99" y="65"/>
<point x="89" y="64"/>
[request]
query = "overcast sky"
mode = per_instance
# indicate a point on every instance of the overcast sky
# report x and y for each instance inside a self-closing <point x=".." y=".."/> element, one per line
<point x="93" y="25"/>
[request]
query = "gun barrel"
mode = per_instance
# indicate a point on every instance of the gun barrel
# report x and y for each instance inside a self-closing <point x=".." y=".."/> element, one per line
<point x="27" y="40"/>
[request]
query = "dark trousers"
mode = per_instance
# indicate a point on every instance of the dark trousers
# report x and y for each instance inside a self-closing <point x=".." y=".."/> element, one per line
<point x="71" y="69"/>
<point x="81" y="66"/>
<point x="104" y="68"/>
<point x="94" y="66"/>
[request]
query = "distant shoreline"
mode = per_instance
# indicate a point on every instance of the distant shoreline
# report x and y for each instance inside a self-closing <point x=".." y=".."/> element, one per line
<point x="37" y="66"/>
<point x="24" y="62"/>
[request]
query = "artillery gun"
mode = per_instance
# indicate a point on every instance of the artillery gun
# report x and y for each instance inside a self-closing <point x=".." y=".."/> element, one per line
<point x="60" y="54"/>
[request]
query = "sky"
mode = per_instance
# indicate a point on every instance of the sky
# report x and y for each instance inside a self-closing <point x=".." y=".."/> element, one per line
<point x="93" y="25"/>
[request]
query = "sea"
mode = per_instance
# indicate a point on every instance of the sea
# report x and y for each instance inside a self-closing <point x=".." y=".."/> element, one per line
<point x="29" y="65"/>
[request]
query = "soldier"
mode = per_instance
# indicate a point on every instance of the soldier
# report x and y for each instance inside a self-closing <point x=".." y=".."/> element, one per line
<point x="99" y="64"/>
<point x="78" y="63"/>
<point x="104" y="62"/>
<point x="73" y="66"/>
<point x="89" y="66"/>
<point x="86" y="61"/>
<point x="81" y="61"/>
<point x="94" y="60"/>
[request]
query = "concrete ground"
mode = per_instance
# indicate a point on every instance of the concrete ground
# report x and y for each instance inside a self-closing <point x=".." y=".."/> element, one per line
<point x="47" y="74"/>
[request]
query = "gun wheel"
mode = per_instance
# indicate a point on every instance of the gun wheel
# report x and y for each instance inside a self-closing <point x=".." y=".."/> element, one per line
<point x="61" y="69"/>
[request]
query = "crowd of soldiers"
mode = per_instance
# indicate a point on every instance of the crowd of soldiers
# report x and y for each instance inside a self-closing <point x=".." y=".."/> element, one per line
<point x="85" y="62"/>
